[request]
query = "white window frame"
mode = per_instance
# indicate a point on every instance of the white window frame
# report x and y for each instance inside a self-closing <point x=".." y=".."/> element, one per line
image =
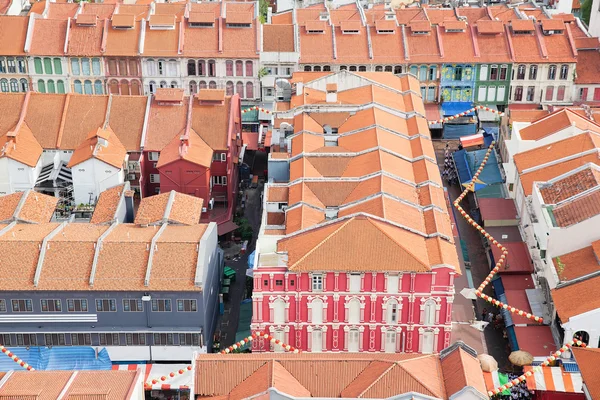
<point x="154" y="178"/>
<point x="153" y="155"/>
<point x="317" y="283"/>
<point x="355" y="283"/>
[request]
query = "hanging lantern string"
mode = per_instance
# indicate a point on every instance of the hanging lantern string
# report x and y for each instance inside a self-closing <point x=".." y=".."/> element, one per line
<point x="465" y="113"/>
<point x="262" y="110"/>
<point x="238" y="345"/>
<point x="16" y="359"/>
<point x="488" y="279"/>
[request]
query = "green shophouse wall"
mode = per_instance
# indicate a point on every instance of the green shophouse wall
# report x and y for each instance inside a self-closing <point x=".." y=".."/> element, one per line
<point x="495" y="91"/>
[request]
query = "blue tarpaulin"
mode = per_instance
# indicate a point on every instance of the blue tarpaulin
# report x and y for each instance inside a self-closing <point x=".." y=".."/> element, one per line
<point x="491" y="173"/>
<point x="455" y="131"/>
<point x="465" y="174"/>
<point x="59" y="358"/>
<point x="491" y="128"/>
<point x="456" y="107"/>
<point x="251" y="260"/>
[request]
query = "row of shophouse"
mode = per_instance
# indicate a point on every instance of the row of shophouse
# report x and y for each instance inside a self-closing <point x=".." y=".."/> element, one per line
<point x="74" y="147"/>
<point x="355" y="251"/>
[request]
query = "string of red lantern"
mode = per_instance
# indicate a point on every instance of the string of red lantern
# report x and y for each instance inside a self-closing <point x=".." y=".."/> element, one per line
<point x="262" y="110"/>
<point x="464" y="113"/>
<point x="488" y="279"/>
<point x="230" y="349"/>
<point x="16" y="359"/>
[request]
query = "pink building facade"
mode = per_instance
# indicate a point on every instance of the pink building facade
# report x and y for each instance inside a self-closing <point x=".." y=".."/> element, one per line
<point x="375" y="311"/>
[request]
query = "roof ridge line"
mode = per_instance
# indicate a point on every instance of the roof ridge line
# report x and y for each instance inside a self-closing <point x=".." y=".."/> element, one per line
<point x="322" y="242"/>
<point x="20" y="205"/>
<point x="63" y="120"/>
<point x="388" y="369"/>
<point x="401" y="365"/>
<point x="153" y="248"/>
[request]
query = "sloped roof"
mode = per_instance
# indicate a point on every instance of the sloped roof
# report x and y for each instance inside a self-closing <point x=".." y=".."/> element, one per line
<point x="33" y="208"/>
<point x="587" y="361"/>
<point x="107" y="204"/>
<point x="189" y="148"/>
<point x="172" y="206"/>
<point x="101" y="144"/>
<point x="20" y="145"/>
<point x="577" y="298"/>
<point x="556" y="122"/>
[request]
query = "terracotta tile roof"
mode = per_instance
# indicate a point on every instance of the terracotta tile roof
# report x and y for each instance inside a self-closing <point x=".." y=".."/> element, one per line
<point x="553" y="24"/>
<point x="202" y="17"/>
<point x="20" y="246"/>
<point x="556" y="122"/>
<point x="126" y="119"/>
<point x="588" y="67"/>
<point x="48" y="38"/>
<point x="302" y="217"/>
<point x="522" y="24"/>
<point x="527" y="115"/>
<point x="44" y="116"/>
<point x="420" y="26"/>
<point x="577" y="298"/>
<point x="139" y="10"/>
<point x="571" y="185"/>
<point x="8" y="205"/>
<point x="162" y="20"/>
<point x="121" y="20"/>
<point x="563" y="148"/>
<point x="460" y="369"/>
<point x="278" y="38"/>
<point x="165" y="122"/>
<point x="577" y="210"/>
<point x="47" y="385"/>
<point x="185" y="209"/>
<point x="587" y="361"/>
<point x="85" y="40"/>
<point x="112" y="385"/>
<point x="107" y="205"/>
<point x="453" y="24"/>
<point x="37" y="207"/>
<point x="102" y="144"/>
<point x="20" y="145"/>
<point x="123" y="42"/>
<point x="13" y="31"/>
<point x="86" y="19"/>
<point x="176" y="8"/>
<point x="10" y="104"/>
<point x="211" y="95"/>
<point x="190" y="148"/>
<point x="578" y="263"/>
<point x="586" y="43"/>
<point x="325" y="375"/>
<point x="239" y="18"/>
<point x="487" y="27"/>
<point x="161" y="43"/>
<point x="84" y="114"/>
<point x="284" y="18"/>
<point x="103" y="11"/>
<point x="210" y="122"/>
<point x="278" y="194"/>
<point x="61" y="10"/>
<point x="166" y="95"/>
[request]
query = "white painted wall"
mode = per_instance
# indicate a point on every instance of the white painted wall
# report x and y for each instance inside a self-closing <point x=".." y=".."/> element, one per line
<point x="589" y="322"/>
<point x="94" y="176"/>
<point x="590" y="94"/>
<point x="16" y="176"/>
<point x="170" y="353"/>
<point x="594" y="28"/>
<point x="128" y="353"/>
<point x="541" y="83"/>
<point x="138" y="392"/>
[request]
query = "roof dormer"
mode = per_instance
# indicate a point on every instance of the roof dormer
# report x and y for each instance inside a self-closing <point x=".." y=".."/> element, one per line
<point x="454" y="26"/>
<point x="123" y="21"/>
<point x="162" y="22"/>
<point x="351" y="27"/>
<point x="553" y="26"/>
<point x="239" y="20"/>
<point x="522" y="26"/>
<point x="385" y="26"/>
<point x="211" y="97"/>
<point x="86" y="20"/>
<point x="202" y="19"/>
<point x="315" y="26"/>
<point x="168" y="96"/>
<point x="487" y="27"/>
<point x="422" y="27"/>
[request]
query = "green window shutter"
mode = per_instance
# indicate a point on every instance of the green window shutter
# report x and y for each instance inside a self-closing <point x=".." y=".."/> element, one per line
<point x="48" y="66"/>
<point x="38" y="65"/>
<point x="51" y="87"/>
<point x="41" y="86"/>
<point x="60" y="85"/>
<point x="57" y="66"/>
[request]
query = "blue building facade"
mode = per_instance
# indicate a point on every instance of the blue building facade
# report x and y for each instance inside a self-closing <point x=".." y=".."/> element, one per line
<point x="457" y="82"/>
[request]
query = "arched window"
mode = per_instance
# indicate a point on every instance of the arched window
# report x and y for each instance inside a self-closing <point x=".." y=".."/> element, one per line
<point x="37" y="64"/>
<point x="191" y="68"/>
<point x="212" y="68"/>
<point x="279" y="312"/>
<point x="51" y="87"/>
<point x="239" y="68"/>
<point x="98" y="87"/>
<point x="152" y="87"/>
<point x="388" y="68"/>
<point x="307" y="68"/>
<point x="4" y="85"/>
<point x="583" y="336"/>
<point x="133" y="68"/>
<point x="161" y="67"/>
<point x="112" y="67"/>
<point x="392" y="310"/>
<point x="212" y="85"/>
<point x="398" y="69"/>
<point x="85" y="66"/>
<point x="41" y="86"/>
<point x="249" y="68"/>
<point x="124" y="87"/>
<point x="21" y="65"/>
<point x="378" y="68"/>
<point x="353" y="68"/>
<point x="201" y="85"/>
<point x="423" y="73"/>
<point x="48" y="66"/>
<point x="229" y="68"/>
<point x="173" y="68"/>
<point x="362" y="68"/>
<point x="60" y="87"/>
<point x="428" y="345"/>
<point x="14" y="85"/>
<point x="135" y="88"/>
<point x="77" y="87"/>
<point x="317" y="68"/>
<point x="113" y="87"/>
<point x="122" y="67"/>
<point x="96" y="70"/>
<point x="87" y="87"/>
<point x="229" y="88"/>
<point x="249" y="90"/>
<point x="75" y="66"/>
<point x="414" y="70"/>
<point x="163" y="84"/>
<point x="193" y="87"/>
<point x="521" y="72"/>
<point x="239" y="89"/>
<point x="354" y="311"/>
<point x="151" y="67"/>
<point x="57" y="66"/>
<point x="317" y="311"/>
<point x="173" y="85"/>
<point x="201" y="68"/>
<point x="24" y="85"/>
<point x="429" y="315"/>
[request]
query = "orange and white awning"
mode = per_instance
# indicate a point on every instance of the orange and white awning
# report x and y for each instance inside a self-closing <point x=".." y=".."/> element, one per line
<point x="554" y="379"/>
<point x="153" y="371"/>
<point x="472" y="140"/>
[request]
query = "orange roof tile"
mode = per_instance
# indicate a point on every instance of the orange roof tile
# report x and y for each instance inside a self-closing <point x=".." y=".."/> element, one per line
<point x="20" y="145"/>
<point x="10" y="104"/>
<point x="165" y="122"/>
<point x="61" y="10"/>
<point x="587" y="361"/>
<point x="162" y="20"/>
<point x="13" y="31"/>
<point x="47" y="385"/>
<point x="102" y="10"/>
<point x="188" y="147"/>
<point x="44" y="116"/>
<point x="85" y="40"/>
<point x="211" y="122"/>
<point x="571" y="185"/>
<point x="123" y="20"/>
<point x="202" y="17"/>
<point x="161" y="43"/>
<point x="126" y="119"/>
<point x="239" y="18"/>
<point x="588" y="67"/>
<point x="8" y="205"/>
<point x="556" y="122"/>
<point x="487" y="27"/>
<point x="277" y="194"/>
<point x="211" y="95"/>
<point x="460" y="369"/>
<point x="522" y="25"/>
<point x="84" y="114"/>
<point x="48" y="38"/>
<point x="278" y="38"/>
<point x="86" y="19"/>
<point x="568" y="300"/>
<point x="527" y="115"/>
<point x="586" y="43"/>
<point x="577" y="210"/>
<point x="107" y="204"/>
<point x="123" y="42"/>
<point x="114" y="385"/>
<point x="553" y="25"/>
<point x="420" y="26"/>
<point x="578" y="263"/>
<point x="102" y="144"/>
<point x="166" y="95"/>
<point x="184" y="209"/>
<point x="37" y="208"/>
<point x="454" y="25"/>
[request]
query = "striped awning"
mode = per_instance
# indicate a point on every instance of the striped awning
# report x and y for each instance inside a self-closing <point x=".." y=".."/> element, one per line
<point x="155" y="371"/>
<point x="472" y="140"/>
<point x="554" y="379"/>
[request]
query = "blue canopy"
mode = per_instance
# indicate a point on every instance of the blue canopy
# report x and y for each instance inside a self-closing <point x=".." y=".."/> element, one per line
<point x="456" y="107"/>
<point x="465" y="174"/>
<point x="251" y="260"/>
<point x="58" y="358"/>
<point x="455" y="131"/>
<point x="468" y="162"/>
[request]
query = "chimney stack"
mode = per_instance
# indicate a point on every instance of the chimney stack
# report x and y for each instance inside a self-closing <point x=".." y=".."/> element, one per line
<point x="331" y="96"/>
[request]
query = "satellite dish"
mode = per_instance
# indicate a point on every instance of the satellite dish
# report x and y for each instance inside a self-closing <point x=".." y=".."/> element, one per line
<point x="283" y="90"/>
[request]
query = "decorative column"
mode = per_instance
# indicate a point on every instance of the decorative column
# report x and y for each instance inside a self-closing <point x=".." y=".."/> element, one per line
<point x="336" y="281"/>
<point x="309" y="330"/>
<point x="438" y="307"/>
<point x="409" y="339"/>
<point x="287" y="282"/>
<point x="400" y="282"/>
<point x="335" y="338"/>
<point x="449" y="302"/>
<point x="336" y="299"/>
<point x="298" y="332"/>
<point x="436" y="346"/>
<point x="362" y="282"/>
<point x="372" y="333"/>
<point x="411" y="309"/>
<point x="259" y="300"/>
<point x="374" y="282"/>
<point x="362" y="309"/>
<point x="271" y="281"/>
<point x="287" y="309"/>
<point x="383" y="332"/>
<point x="385" y="281"/>
<point x="447" y="335"/>
<point x="361" y="338"/>
<point x="298" y="303"/>
<point x="373" y="307"/>
<point x="324" y="281"/>
<point x="421" y="331"/>
<point x="346" y="330"/>
<point x="324" y="338"/>
<point x="286" y="335"/>
<point x="398" y="336"/>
